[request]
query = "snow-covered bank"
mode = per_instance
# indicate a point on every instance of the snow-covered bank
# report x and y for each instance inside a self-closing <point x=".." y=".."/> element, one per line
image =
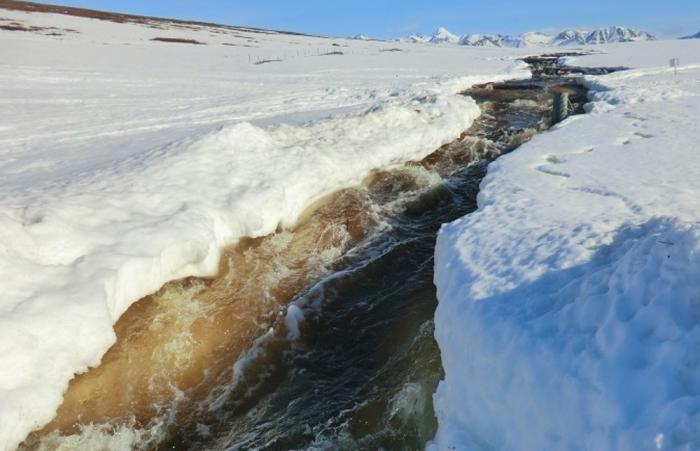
<point x="569" y="301"/>
<point x="128" y="162"/>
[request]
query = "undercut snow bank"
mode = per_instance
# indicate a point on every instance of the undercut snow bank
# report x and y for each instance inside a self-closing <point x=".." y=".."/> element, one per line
<point x="75" y="259"/>
<point x="569" y="302"/>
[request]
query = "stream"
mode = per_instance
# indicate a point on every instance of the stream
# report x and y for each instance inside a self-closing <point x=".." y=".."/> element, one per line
<point x="318" y="337"/>
<point x="362" y="373"/>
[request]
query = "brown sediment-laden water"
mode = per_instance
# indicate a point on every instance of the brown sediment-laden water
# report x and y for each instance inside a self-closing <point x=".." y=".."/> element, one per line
<point x="316" y="337"/>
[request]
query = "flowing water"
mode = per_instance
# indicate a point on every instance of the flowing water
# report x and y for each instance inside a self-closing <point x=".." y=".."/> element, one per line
<point x="318" y="337"/>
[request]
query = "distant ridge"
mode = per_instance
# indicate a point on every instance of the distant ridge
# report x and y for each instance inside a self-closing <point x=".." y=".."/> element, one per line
<point x="564" y="38"/>
<point x="119" y="17"/>
<point x="695" y="36"/>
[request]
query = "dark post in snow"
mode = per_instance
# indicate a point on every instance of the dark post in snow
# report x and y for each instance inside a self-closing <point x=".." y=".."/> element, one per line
<point x="674" y="63"/>
<point x="560" y="107"/>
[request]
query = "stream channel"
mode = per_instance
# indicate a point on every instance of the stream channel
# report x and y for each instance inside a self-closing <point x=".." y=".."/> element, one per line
<point x="362" y="373"/>
<point x="330" y="324"/>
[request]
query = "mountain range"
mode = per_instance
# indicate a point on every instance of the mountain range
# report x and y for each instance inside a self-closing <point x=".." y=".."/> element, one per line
<point x="695" y="36"/>
<point x="564" y="38"/>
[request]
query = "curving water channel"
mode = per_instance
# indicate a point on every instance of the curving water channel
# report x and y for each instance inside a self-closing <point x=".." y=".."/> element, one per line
<point x="363" y="373"/>
<point x="318" y="337"/>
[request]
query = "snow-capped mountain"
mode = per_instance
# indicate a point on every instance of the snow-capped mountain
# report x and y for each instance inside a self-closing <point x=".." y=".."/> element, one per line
<point x="569" y="37"/>
<point x="617" y="34"/>
<point x="564" y="38"/>
<point x="535" y="38"/>
<point x="694" y="36"/>
<point x="599" y="36"/>
<point x="442" y="36"/>
<point x="489" y="40"/>
<point x="416" y="37"/>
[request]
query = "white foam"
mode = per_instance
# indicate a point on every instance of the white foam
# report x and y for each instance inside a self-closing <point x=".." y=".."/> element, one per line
<point x="292" y="321"/>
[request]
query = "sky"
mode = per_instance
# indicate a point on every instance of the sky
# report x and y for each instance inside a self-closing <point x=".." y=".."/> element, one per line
<point x="386" y="19"/>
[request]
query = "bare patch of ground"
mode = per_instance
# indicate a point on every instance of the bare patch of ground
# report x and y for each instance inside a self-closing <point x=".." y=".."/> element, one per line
<point x="123" y="18"/>
<point x="231" y="44"/>
<point x="265" y="61"/>
<point x="179" y="41"/>
<point x="9" y="25"/>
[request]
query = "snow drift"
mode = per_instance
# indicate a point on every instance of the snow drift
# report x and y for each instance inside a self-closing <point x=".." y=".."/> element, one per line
<point x="568" y="302"/>
<point x="81" y="256"/>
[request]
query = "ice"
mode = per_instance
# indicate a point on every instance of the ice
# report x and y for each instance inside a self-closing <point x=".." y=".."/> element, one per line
<point x="127" y="162"/>
<point x="568" y="305"/>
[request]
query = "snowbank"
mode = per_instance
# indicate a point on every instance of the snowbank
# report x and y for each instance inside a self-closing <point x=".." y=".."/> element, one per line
<point x="568" y="314"/>
<point x="74" y="259"/>
<point x="128" y="162"/>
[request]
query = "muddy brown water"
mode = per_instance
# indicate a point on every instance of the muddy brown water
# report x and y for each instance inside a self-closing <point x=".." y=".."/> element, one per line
<point x="218" y="363"/>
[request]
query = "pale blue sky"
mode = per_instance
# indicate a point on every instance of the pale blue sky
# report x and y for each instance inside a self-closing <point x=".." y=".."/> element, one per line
<point x="395" y="18"/>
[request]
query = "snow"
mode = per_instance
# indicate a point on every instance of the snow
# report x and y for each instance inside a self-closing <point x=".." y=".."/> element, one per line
<point x="442" y="36"/>
<point x="530" y="39"/>
<point x="570" y="37"/>
<point x="568" y="303"/>
<point x="416" y="38"/>
<point x="127" y="162"/>
<point x="617" y="34"/>
<point x="491" y="40"/>
<point x="534" y="38"/>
